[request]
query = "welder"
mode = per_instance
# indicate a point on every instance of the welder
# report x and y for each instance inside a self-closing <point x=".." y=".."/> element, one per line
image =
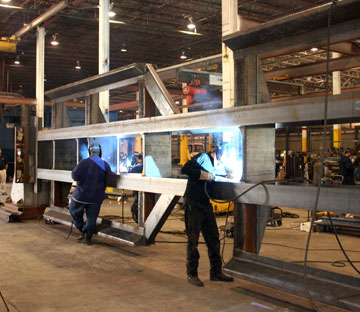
<point x="90" y="174"/>
<point x="199" y="216"/>
<point x="136" y="167"/>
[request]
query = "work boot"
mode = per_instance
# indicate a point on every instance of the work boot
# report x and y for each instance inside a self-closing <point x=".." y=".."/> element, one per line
<point x="87" y="239"/>
<point x="221" y="277"/>
<point x="194" y="280"/>
<point x="81" y="238"/>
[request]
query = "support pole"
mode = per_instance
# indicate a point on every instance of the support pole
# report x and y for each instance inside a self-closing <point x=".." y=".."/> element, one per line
<point x="304" y="139"/>
<point x="104" y="53"/>
<point x="258" y="151"/>
<point x="336" y="75"/>
<point x="229" y="25"/>
<point x="40" y="73"/>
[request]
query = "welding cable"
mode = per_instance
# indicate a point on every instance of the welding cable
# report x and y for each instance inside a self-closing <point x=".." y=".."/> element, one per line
<point x="224" y="238"/>
<point x="222" y="201"/>
<point x="3" y="299"/>
<point x="337" y="263"/>
<point x="341" y="246"/>
<point x="322" y="155"/>
<point x="53" y="232"/>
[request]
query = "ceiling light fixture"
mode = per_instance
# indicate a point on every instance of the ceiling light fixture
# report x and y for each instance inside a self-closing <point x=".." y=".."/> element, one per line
<point x="17" y="61"/>
<point x="78" y="67"/>
<point x="123" y="48"/>
<point x="183" y="56"/>
<point x="54" y="41"/>
<point x="111" y="12"/>
<point x="314" y="49"/>
<point x="191" y="24"/>
<point x="8" y="6"/>
<point x="117" y="22"/>
<point x="188" y="32"/>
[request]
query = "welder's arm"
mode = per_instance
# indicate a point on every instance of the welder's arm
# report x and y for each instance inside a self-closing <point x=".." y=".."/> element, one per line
<point x="193" y="170"/>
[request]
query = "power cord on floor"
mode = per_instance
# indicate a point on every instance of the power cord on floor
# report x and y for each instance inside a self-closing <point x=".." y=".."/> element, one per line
<point x="341" y="246"/>
<point x="223" y="201"/>
<point x="337" y="263"/>
<point x="315" y="249"/>
<point x="53" y="232"/>
<point x="322" y="155"/>
<point x="3" y="299"/>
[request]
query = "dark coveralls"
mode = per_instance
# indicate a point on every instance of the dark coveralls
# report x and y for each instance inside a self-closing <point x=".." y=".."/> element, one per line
<point x="199" y="216"/>
<point x="347" y="171"/>
<point x="138" y="168"/>
<point x="90" y="174"/>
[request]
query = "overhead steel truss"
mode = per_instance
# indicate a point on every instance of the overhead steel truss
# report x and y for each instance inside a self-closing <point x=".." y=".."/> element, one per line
<point x="256" y="40"/>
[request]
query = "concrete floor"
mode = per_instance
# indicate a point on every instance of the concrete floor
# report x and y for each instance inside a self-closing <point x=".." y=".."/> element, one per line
<point x="41" y="271"/>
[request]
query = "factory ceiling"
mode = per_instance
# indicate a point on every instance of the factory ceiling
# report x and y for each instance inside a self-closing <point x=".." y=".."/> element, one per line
<point x="150" y="30"/>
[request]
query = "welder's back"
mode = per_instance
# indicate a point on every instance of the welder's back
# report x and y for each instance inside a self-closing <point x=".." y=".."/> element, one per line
<point x="90" y="179"/>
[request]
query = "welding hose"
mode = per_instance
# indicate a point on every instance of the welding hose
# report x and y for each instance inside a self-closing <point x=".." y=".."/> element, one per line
<point x="223" y="201"/>
<point x="49" y="231"/>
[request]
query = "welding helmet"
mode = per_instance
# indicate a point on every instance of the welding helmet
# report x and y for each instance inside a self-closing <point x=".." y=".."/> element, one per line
<point x="221" y="149"/>
<point x="222" y="153"/>
<point x="134" y="157"/>
<point x="95" y="148"/>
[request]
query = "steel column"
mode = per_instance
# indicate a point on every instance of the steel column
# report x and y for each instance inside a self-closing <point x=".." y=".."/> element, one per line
<point x="104" y="54"/>
<point x="336" y="82"/>
<point x="40" y="72"/>
<point x="259" y="151"/>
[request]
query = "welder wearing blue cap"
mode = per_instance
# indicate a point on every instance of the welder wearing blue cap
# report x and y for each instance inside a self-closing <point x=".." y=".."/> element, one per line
<point x="199" y="216"/>
<point x="90" y="174"/>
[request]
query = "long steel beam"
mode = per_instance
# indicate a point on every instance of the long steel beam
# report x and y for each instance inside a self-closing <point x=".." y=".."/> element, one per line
<point x="113" y="79"/>
<point x="336" y="199"/>
<point x="315" y="68"/>
<point x="56" y="8"/>
<point x="158" y="92"/>
<point x="303" y="110"/>
<point x="317" y="38"/>
<point x="293" y="25"/>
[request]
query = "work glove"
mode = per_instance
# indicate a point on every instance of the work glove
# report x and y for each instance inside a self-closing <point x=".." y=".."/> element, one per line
<point x="206" y="176"/>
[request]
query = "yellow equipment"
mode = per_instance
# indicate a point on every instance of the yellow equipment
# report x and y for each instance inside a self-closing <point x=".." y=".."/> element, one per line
<point x="222" y="208"/>
<point x="8" y="44"/>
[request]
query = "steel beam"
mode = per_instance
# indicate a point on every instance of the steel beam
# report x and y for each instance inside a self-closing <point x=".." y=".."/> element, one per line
<point x="56" y="8"/>
<point x="158" y="216"/>
<point x="329" y="287"/>
<point x="158" y="92"/>
<point x="113" y="79"/>
<point x="336" y="199"/>
<point x="302" y="110"/>
<point x="293" y="25"/>
<point x="315" y="68"/>
<point x="339" y="33"/>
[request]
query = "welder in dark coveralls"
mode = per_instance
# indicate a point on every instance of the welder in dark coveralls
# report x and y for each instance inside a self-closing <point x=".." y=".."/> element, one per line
<point x="199" y="216"/>
<point x="90" y="174"/>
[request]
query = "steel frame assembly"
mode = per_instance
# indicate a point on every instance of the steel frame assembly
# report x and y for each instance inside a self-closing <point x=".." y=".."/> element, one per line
<point x="256" y="116"/>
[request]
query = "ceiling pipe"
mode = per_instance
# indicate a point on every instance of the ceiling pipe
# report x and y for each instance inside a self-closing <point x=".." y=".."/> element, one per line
<point x="42" y="18"/>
